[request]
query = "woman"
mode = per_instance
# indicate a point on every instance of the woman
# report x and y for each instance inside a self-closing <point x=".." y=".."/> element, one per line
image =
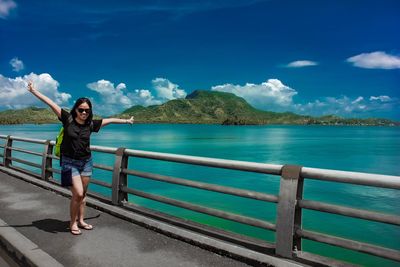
<point x="76" y="159"/>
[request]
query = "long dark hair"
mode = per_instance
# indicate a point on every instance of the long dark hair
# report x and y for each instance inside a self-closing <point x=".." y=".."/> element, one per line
<point x="78" y="102"/>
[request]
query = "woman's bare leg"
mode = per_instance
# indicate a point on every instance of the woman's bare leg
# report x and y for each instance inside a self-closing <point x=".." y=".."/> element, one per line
<point x="76" y="200"/>
<point x="81" y="214"/>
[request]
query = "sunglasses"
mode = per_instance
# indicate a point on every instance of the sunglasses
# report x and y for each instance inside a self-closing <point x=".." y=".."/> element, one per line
<point x="81" y="110"/>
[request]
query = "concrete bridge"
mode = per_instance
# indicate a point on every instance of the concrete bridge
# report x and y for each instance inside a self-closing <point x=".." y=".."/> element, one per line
<point x="34" y="217"/>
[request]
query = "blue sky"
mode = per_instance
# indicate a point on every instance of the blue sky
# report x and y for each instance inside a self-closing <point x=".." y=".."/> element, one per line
<point x="309" y="57"/>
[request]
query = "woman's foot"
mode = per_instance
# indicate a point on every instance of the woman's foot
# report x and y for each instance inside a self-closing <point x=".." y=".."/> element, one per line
<point x="85" y="226"/>
<point x="75" y="230"/>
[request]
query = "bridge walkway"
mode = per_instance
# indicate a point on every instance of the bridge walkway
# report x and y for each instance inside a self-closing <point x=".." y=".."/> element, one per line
<point x="42" y="217"/>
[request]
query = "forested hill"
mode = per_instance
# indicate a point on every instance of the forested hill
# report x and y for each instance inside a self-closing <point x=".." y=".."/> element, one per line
<point x="28" y="115"/>
<point x="200" y="107"/>
<point x="227" y="108"/>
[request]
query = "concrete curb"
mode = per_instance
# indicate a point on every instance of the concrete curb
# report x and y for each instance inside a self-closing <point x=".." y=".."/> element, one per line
<point x="23" y="250"/>
<point x="224" y="248"/>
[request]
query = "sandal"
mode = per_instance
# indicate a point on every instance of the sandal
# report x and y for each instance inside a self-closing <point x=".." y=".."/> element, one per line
<point x="85" y="226"/>
<point x="75" y="231"/>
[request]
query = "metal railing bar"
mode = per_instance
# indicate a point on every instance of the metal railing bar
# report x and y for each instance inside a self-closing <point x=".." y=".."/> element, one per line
<point x="319" y="260"/>
<point x="26" y="151"/>
<point x="346" y="211"/>
<point x="201" y="209"/>
<point x="54" y="181"/>
<point x="105" y="184"/>
<point x="200" y="185"/>
<point x="89" y="193"/>
<point x="99" y="196"/>
<point x="54" y="170"/>
<point x="26" y="162"/>
<point x="210" y="162"/>
<point x="25" y="171"/>
<point x="98" y="182"/>
<point x="53" y="157"/>
<point x="103" y="167"/>
<point x="351" y="244"/>
<point x="377" y="180"/>
<point x="29" y="140"/>
<point x="253" y="243"/>
<point x="104" y="149"/>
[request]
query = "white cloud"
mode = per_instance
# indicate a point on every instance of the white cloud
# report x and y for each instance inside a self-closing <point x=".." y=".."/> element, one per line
<point x="382" y="98"/>
<point x="14" y="93"/>
<point x="115" y="99"/>
<point x="358" y="100"/>
<point x="144" y="97"/>
<point x="346" y="106"/>
<point x="375" y="60"/>
<point x="167" y="90"/>
<point x="121" y="86"/>
<point x="269" y="95"/>
<point x="301" y="64"/>
<point x="112" y="99"/>
<point x="17" y="64"/>
<point x="5" y="7"/>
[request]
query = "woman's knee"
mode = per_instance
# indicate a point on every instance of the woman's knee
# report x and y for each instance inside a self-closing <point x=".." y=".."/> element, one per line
<point x="77" y="189"/>
<point x="78" y="196"/>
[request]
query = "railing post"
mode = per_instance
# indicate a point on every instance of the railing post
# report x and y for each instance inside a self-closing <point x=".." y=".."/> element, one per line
<point x="119" y="179"/>
<point x="7" y="152"/>
<point x="289" y="216"/>
<point x="47" y="161"/>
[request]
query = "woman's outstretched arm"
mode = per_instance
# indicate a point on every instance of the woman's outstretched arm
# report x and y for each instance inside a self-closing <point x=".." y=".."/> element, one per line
<point x="108" y="121"/>
<point x="45" y="99"/>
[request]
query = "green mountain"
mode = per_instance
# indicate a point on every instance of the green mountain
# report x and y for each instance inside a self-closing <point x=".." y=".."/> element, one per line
<point x="229" y="109"/>
<point x="204" y="107"/>
<point x="28" y="115"/>
<point x="209" y="107"/>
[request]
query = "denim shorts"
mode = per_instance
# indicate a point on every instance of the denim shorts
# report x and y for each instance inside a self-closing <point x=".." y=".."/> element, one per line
<point x="82" y="167"/>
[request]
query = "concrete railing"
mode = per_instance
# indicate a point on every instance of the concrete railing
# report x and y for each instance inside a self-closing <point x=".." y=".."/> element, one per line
<point x="290" y="202"/>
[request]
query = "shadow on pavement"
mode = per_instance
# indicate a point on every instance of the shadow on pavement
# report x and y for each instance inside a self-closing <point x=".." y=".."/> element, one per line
<point x="50" y="225"/>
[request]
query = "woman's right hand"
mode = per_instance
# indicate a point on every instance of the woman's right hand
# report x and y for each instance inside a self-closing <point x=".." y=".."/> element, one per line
<point x="45" y="99"/>
<point x="30" y="87"/>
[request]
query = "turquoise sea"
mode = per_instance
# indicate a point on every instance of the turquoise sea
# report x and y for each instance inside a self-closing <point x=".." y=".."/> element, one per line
<point x="362" y="149"/>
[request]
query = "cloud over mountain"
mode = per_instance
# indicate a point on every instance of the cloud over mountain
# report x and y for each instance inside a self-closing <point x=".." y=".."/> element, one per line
<point x="272" y="94"/>
<point x="167" y="90"/>
<point x="114" y="99"/>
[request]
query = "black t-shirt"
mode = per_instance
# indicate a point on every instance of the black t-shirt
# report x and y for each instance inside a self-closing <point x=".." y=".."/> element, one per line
<point x="76" y="140"/>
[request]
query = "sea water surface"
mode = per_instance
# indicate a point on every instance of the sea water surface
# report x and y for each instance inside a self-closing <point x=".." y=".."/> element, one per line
<point x="360" y="149"/>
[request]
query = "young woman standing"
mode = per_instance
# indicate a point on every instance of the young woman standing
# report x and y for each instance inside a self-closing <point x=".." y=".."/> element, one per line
<point x="76" y="158"/>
